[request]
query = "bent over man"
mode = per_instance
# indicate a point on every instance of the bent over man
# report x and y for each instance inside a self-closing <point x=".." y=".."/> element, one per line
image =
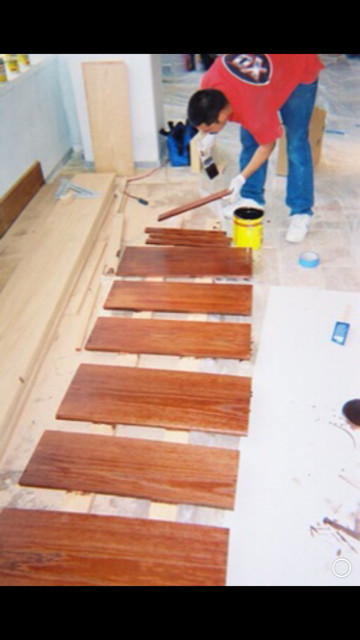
<point x="263" y="93"/>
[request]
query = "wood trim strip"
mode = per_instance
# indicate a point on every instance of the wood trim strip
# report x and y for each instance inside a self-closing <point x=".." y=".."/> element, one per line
<point x="51" y="548"/>
<point x="184" y="261"/>
<point x="186" y="232"/>
<point x="162" y="398"/>
<point x="193" y="205"/>
<point x="187" y="242"/>
<point x="232" y="299"/>
<point x="159" y="471"/>
<point x="171" y="337"/>
<point x="19" y="195"/>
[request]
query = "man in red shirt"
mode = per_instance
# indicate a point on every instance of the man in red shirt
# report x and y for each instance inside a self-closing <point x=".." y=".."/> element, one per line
<point x="264" y="93"/>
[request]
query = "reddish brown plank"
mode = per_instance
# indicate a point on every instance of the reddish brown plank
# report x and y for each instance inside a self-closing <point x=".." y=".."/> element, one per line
<point x="19" y="195"/>
<point x="185" y="261"/>
<point x="213" y="233"/>
<point x="157" y="239"/>
<point x="232" y="299"/>
<point x="159" y="471"/>
<point x="156" y="397"/>
<point x="50" y="548"/>
<point x="194" y="204"/>
<point x="187" y="237"/>
<point x="171" y="337"/>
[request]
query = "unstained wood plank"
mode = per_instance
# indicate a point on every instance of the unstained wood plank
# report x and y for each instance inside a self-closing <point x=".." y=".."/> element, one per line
<point x="171" y="337"/>
<point x="51" y="548"/>
<point x="155" y="397"/>
<point x="107" y="94"/>
<point x="185" y="261"/>
<point x="159" y="471"/>
<point x="34" y="297"/>
<point x="232" y="299"/>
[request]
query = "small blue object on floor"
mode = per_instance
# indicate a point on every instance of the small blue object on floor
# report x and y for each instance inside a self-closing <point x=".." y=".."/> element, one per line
<point x="340" y="332"/>
<point x="309" y="259"/>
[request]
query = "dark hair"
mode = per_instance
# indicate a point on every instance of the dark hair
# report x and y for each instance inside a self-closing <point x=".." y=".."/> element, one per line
<point x="205" y="105"/>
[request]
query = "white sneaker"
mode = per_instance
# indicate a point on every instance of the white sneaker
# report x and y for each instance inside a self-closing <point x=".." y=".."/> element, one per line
<point x="298" y="228"/>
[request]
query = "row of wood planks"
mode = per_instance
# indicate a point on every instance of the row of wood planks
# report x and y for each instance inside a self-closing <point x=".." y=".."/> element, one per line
<point x="64" y="548"/>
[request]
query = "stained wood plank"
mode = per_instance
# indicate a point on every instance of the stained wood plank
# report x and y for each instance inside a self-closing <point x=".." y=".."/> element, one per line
<point x="193" y="205"/>
<point x="232" y="299"/>
<point x="106" y="87"/>
<point x="187" y="237"/>
<point x="50" y="548"/>
<point x="186" y="232"/>
<point x="155" y="397"/>
<point x="159" y="471"/>
<point x="185" y="261"/>
<point x="171" y="337"/>
<point x="20" y="194"/>
<point x="154" y="239"/>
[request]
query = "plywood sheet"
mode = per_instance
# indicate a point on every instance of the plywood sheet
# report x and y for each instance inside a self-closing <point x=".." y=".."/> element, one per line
<point x="106" y="87"/>
<point x="159" y="471"/>
<point x="38" y="289"/>
<point x="155" y="397"/>
<point x="185" y="261"/>
<point x="232" y="299"/>
<point x="49" y="548"/>
<point x="171" y="337"/>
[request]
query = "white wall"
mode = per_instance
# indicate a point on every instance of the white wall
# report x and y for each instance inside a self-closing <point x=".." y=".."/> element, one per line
<point x="33" y="123"/>
<point x="144" y="76"/>
<point x="43" y="113"/>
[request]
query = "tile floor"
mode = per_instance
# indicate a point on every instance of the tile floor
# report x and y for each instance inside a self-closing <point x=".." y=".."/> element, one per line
<point x="334" y="235"/>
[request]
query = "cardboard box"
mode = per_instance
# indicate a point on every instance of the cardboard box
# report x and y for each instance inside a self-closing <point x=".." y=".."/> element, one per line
<point x="316" y="131"/>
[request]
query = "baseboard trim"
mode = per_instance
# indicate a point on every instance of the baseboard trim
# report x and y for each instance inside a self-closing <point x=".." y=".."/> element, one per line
<point x="19" y="195"/>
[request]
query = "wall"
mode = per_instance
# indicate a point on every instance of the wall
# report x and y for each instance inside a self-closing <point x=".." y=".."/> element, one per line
<point x="144" y="75"/>
<point x="33" y="123"/>
<point x="43" y="113"/>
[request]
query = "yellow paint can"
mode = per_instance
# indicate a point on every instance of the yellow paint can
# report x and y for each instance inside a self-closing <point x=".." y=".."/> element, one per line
<point x="247" y="227"/>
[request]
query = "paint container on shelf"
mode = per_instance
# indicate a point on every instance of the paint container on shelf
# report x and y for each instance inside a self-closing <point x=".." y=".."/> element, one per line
<point x="247" y="227"/>
<point x="24" y="61"/>
<point x="12" y="64"/>
<point x="3" y="76"/>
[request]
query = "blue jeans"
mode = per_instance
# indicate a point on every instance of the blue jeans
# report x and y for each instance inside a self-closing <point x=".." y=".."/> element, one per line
<point x="296" y="114"/>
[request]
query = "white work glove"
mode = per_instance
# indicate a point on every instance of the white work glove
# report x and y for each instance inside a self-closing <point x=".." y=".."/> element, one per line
<point x="235" y="187"/>
<point x="205" y="144"/>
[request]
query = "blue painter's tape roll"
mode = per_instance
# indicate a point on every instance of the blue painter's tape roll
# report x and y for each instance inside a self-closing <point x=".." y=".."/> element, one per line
<point x="309" y="259"/>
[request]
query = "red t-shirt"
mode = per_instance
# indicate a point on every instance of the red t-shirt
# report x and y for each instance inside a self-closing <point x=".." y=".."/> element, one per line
<point x="257" y="84"/>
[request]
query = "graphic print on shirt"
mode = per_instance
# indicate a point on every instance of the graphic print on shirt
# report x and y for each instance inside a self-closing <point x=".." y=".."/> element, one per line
<point x="253" y="68"/>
